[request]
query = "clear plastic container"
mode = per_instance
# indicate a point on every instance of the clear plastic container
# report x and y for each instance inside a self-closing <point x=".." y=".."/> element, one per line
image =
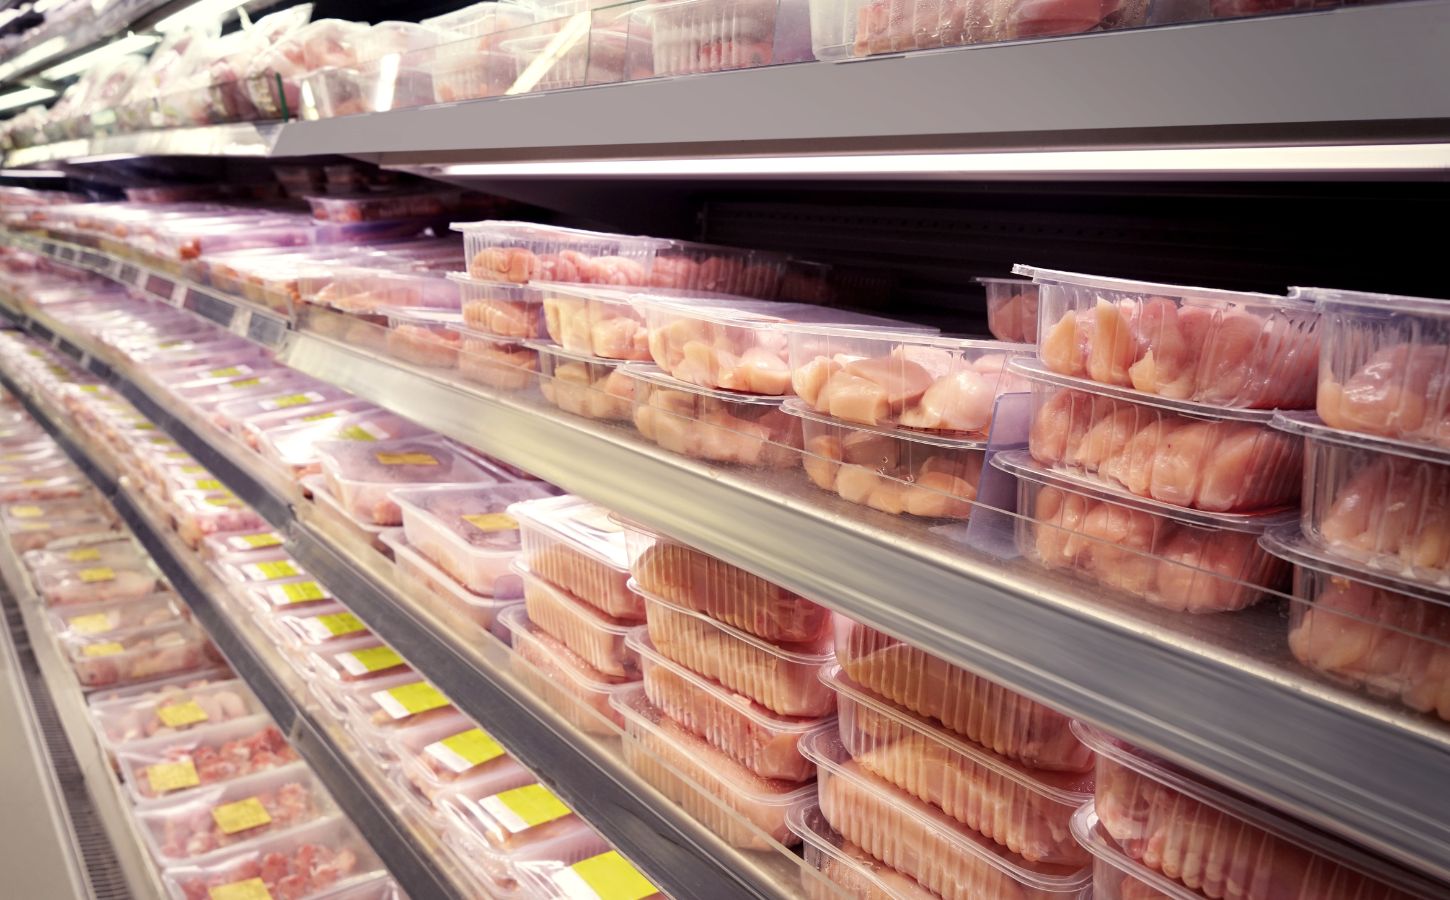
<point x="890" y="469"/>
<point x="215" y="753"/>
<point x="574" y="689"/>
<point x="553" y="880"/>
<point x="848" y="868"/>
<point x="719" y="426"/>
<point x="33" y="534"/>
<point x="421" y="204"/>
<point x="467" y="532"/>
<point x="1173" y="558"/>
<point x="977" y="709"/>
<point x="446" y="597"/>
<point x="200" y="513"/>
<point x="877" y="377"/>
<point x="375" y="717"/>
<point x="723" y="795"/>
<point x="437" y="758"/>
<point x="1385" y="635"/>
<point x="83" y="584"/>
<point x="585" y="385"/>
<point x="596" y="638"/>
<point x="521" y="824"/>
<point x="231" y="544"/>
<point x="161" y="688"/>
<point x="141" y="654"/>
<point x="362" y="474"/>
<point x="692" y="36"/>
<point x="698" y="581"/>
<point x="294" y="448"/>
<point x="171" y="709"/>
<point x="375" y="289"/>
<point x="1251" y="351"/>
<point x="70" y="623"/>
<point x="306" y="399"/>
<point x="780" y="677"/>
<point x="425" y="338"/>
<point x="51" y="484"/>
<point x="500" y="363"/>
<point x="290" y="595"/>
<point x="1116" y="876"/>
<point x="266" y="566"/>
<point x="554" y="56"/>
<point x="921" y="842"/>
<point x="257" y="430"/>
<point x="1011" y="308"/>
<point x="575" y="545"/>
<point x="1183" y="454"/>
<point x="342" y="700"/>
<point x="122" y="552"/>
<point x="1212" y="841"/>
<point x="590" y="320"/>
<point x="502" y="309"/>
<point x="324" y="858"/>
<point x="523" y="253"/>
<point x="350" y="662"/>
<point x="1023" y="809"/>
<point x="198" y="827"/>
<point x="1383" y="368"/>
<point x="318" y="626"/>
<point x="763" y="742"/>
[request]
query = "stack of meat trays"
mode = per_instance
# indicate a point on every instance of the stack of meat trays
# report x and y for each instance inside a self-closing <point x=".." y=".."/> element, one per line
<point x="898" y="420"/>
<point x="1152" y="466"/>
<point x="1011" y="309"/>
<point x="569" y="638"/>
<point x="1372" y="556"/>
<point x="731" y="667"/>
<point x="939" y="780"/>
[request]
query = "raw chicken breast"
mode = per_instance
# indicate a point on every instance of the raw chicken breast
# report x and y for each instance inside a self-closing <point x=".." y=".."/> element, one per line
<point x="1401" y="391"/>
<point x="713" y="425"/>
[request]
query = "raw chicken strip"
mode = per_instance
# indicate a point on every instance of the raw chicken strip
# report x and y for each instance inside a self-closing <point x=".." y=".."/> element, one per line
<point x="1392" y="507"/>
<point x="713" y="425"/>
<point x="594" y="391"/>
<point x="1401" y="391"/>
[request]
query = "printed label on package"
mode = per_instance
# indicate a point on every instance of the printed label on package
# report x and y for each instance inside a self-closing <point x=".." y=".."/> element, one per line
<point x="410" y="699"/>
<point x="607" y="876"/>
<point x="465" y="750"/>
<point x="180" y="715"/>
<point x="523" y="808"/>
<point x="368" y="660"/>
<point x="296" y="592"/>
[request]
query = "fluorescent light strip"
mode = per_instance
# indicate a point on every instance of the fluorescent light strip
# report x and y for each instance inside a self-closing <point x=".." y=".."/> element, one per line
<point x="201" y="12"/>
<point x="31" y="173"/>
<point x="1386" y="158"/>
<point x="131" y="43"/>
<point x="25" y="97"/>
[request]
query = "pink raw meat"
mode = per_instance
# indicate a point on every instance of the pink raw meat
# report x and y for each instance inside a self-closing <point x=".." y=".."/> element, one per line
<point x="1402" y="391"/>
<point x="1390" y="509"/>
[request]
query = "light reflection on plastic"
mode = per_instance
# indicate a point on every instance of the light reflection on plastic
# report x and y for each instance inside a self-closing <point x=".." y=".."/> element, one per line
<point x="388" y="68"/>
<point x="568" y="37"/>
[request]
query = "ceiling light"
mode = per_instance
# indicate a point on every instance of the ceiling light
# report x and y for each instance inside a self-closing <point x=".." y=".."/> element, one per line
<point x="200" y="12"/>
<point x="131" y="43"/>
<point x="25" y="97"/>
<point x="32" y="173"/>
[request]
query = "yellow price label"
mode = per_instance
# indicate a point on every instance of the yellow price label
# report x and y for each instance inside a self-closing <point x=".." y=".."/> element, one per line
<point x="180" y="715"/>
<point x="167" y="777"/>
<point x="34" y="482"/>
<point x="411" y="699"/>
<point x="206" y="484"/>
<point x="369" y="660"/>
<point x="339" y="624"/>
<point x="466" y="749"/>
<point x="297" y="592"/>
<point x="241" y="815"/>
<point x="523" y="808"/>
<point x="294" y="400"/>
<point x="243" y="383"/>
<point x="95" y="623"/>
<point x="318" y="417"/>
<point x="88" y="388"/>
<point x="96" y="575"/>
<point x="110" y="648"/>
<point x="407" y="459"/>
<point x="84" y="554"/>
<point x="193" y="470"/>
<point x="356" y="433"/>
<point x="144" y="426"/>
<point x="493" y="522"/>
<point x="271" y="571"/>
<point x="228" y="502"/>
<point x="26" y="512"/>
<point x="251" y="889"/>
<point x="607" y="876"/>
<point x="228" y="372"/>
<point x="256" y="541"/>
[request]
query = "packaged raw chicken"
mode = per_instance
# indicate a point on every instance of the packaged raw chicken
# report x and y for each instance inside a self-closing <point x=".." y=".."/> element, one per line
<point x="265" y="565"/>
<point x="780" y="677"/>
<point x="594" y="321"/>
<point x="1382" y="502"/>
<point x="876" y="377"/>
<point x="584" y="385"/>
<point x="978" y="709"/>
<point x="234" y="415"/>
<point x="523" y="253"/>
<point x="83" y="584"/>
<point x="200" y="513"/>
<point x="140" y="654"/>
<point x="597" y="638"/>
<point x="173" y="708"/>
<point x="921" y="842"/>
<point x="446" y="598"/>
<point x="698" y="581"/>
<point x="375" y="717"/>
<point x="502" y="309"/>
<point x="336" y="520"/>
<point x="467" y="531"/>
<point x="34" y="533"/>
<point x="316" y="860"/>
<point x="160" y="688"/>
<point x="242" y="546"/>
<point x="294" y="448"/>
<point x="289" y="594"/>
<point x="451" y="755"/>
<point x="890" y="469"/>
<point x="577" y="691"/>
<point x="1116" y="876"/>
<point x="424" y="338"/>
<point x="119" y="551"/>
<point x="117" y="616"/>
<point x="501" y="363"/>
<point x="374" y="289"/>
<point x="1182" y="454"/>
<point x="1216" y="843"/>
<point x="575" y="545"/>
<point x="581" y="52"/>
<point x="1176" y="559"/>
<point x="1251" y="351"/>
<point x="362" y="474"/>
<point x="747" y="732"/>
<point x="748" y="811"/>
<point x="843" y="866"/>
<point x="344" y="699"/>
<point x="362" y="659"/>
<point x="719" y="426"/>
<point x="257" y="430"/>
<point x="1011" y="309"/>
<point x="1385" y="365"/>
<point x="1371" y="630"/>
<point x="316" y="625"/>
<point x="408" y="204"/>
<point x="602" y="873"/>
<point x="49" y="484"/>
<point x="691" y="36"/>
<point x="237" y="812"/>
<point x="166" y="766"/>
<point x="1023" y="809"/>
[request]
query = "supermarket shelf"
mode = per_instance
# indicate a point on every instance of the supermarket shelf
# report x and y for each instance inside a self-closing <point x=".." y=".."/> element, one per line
<point x="236" y="139"/>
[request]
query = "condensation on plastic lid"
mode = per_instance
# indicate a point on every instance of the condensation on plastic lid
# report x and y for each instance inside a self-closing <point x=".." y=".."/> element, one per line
<point x="795" y="407"/>
<point x="1021" y="464"/>
<point x="1157" y="289"/>
<point x="1289" y="544"/>
<point x="794" y="653"/>
<point x="1034" y="370"/>
<point x="654" y="375"/>
<point x="1311" y="426"/>
<point x="1087" y="832"/>
<point x="583" y="525"/>
<point x="1367" y="303"/>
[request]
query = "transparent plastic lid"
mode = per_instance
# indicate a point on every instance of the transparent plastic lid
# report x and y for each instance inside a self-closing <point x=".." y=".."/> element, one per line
<point x="1090" y="835"/>
<point x="551" y="349"/>
<point x="1055" y="276"/>
<point x="794" y="406"/>
<point x="859" y="870"/>
<point x="658" y="377"/>
<point x="1034" y="370"/>
<point x="579" y="523"/>
<point x="1311" y="426"/>
<point x="1371" y="304"/>
<point x="819" y="654"/>
<point x="1288" y="543"/>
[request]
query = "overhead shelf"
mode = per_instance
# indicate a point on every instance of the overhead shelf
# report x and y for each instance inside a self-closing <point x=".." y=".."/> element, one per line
<point x="236" y="139"/>
<point x="1220" y="694"/>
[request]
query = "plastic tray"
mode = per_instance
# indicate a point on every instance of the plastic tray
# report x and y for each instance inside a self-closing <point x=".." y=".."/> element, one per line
<point x="436" y="590"/>
<point x="200" y="513"/>
<point x="159" y="689"/>
<point x="264" y="566"/>
<point x="33" y="534"/>
<point x="585" y="385"/>
<point x="218" y="753"/>
<point x="919" y="381"/>
<point x="501" y="309"/>
<point x="780" y="677"/>
<point x="294" y="594"/>
<point x="718" y="426"/>
<point x="306" y="400"/>
<point x="1177" y="452"/>
<point x="1385" y="635"/>
<point x="523" y="252"/>
<point x="1116" y="876"/>
<point x="467" y="532"/>
<point x="294" y="449"/>
<point x="597" y="55"/>
<point x="979" y="710"/>
<point x="1212" y="841"/>
<point x="424" y="338"/>
<point x="258" y="429"/>
<point x="596" y="638"/>
<point x="1023" y="809"/>
<point x="725" y="796"/>
<point x="240" y="543"/>
<point x="575" y="545"/>
<point x="497" y="832"/>
<point x="1011" y="308"/>
<point x="374" y="718"/>
<point x="920" y="841"/>
<point x="592" y="320"/>
<point x="554" y="880"/>
<point x="373" y="207"/>
<point x="85" y="585"/>
<point x="1176" y="559"/>
<point x="318" y="626"/>
<point x="120" y="552"/>
<point x="692" y="36"/>
<point x="362" y="474"/>
<point x="698" y="581"/>
<point x="104" y="620"/>
<point x="437" y="771"/>
<point x="339" y="665"/>
<point x="845" y="866"/>
<point x="573" y="688"/>
<point x="496" y="362"/>
<point x="747" y="732"/>
<point x="325" y="858"/>
<point x="890" y="469"/>
<point x="141" y="654"/>
<point x="365" y="289"/>
<point x="1219" y="347"/>
<point x="172" y="709"/>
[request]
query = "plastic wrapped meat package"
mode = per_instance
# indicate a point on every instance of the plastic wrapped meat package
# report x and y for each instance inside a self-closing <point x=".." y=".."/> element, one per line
<point x="377" y="289"/>
<point x="1216" y="843"/>
<point x="362" y="474"/>
<point x="502" y="308"/>
<point x="295" y="447"/>
<point x="477" y="66"/>
<point x="140" y="655"/>
<point x="892" y="470"/>
<point x="375" y="717"/>
<point x="595" y="637"/>
<point x="468" y="532"/>
<point x="571" y="52"/>
<point x="698" y="581"/>
<point x="389" y="75"/>
<point x="435" y="590"/>
<point x="575" y="545"/>
<point x="594" y="321"/>
<point x="1176" y="559"/>
<point x="719" y="426"/>
<point x="524" y="253"/>
<point x="118" y="551"/>
<point x="257" y="430"/>
<point x="450" y="754"/>
<point x="1026" y="810"/>
<point x="245" y="546"/>
<point x="763" y="742"/>
<point x="342" y="664"/>
<point x="1251" y="351"/>
<point x="267" y="564"/>
<point x="116" y="616"/>
<point x="495" y="362"/>
<point x="584" y="385"/>
<point x="313" y="860"/>
<point x="554" y="879"/>
<point x="573" y="688"/>
<point x="200" y="513"/>
<point x="842" y="866"/>
<point x="275" y="74"/>
<point x="1116" y="876"/>
<point x="170" y="766"/>
<point x="921" y="842"/>
<point x="81" y="583"/>
<point x="417" y="204"/>
<point x="1182" y="454"/>
<point x="33" y="534"/>
<point x="50" y="483"/>
<point x="172" y="709"/>
<point x="318" y="625"/>
<point x="783" y="678"/>
<point x="977" y="709"/>
<point x="746" y="810"/>
<point x="1385" y="635"/>
<point x="1385" y="365"/>
<point x="692" y="36"/>
<point x="1011" y="309"/>
<point x="424" y="338"/>
<point x="234" y="415"/>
